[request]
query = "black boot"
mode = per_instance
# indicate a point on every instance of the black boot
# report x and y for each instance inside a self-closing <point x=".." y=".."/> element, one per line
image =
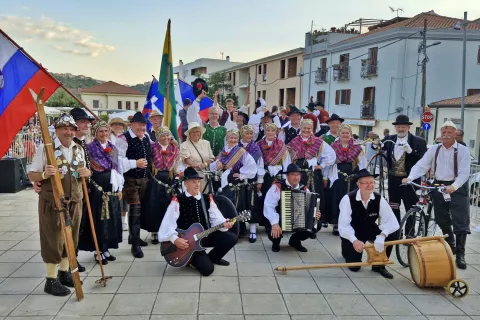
<point x="460" y="259"/>
<point x="134" y="229"/>
<point x="451" y="238"/>
<point x="55" y="288"/>
<point x="65" y="278"/>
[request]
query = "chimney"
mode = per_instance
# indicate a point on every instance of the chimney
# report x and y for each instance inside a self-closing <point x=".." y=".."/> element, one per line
<point x="227" y="58"/>
<point x="180" y="63"/>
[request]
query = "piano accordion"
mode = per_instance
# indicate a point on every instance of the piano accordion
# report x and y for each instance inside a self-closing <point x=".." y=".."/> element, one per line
<point x="298" y="210"/>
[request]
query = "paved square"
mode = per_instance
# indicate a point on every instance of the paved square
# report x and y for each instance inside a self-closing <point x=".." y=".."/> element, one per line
<point x="249" y="289"/>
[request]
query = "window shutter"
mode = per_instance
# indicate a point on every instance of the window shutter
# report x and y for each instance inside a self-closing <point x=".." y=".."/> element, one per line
<point x="373" y="95"/>
<point x="478" y="55"/>
<point x="347" y="99"/>
<point x="337" y="97"/>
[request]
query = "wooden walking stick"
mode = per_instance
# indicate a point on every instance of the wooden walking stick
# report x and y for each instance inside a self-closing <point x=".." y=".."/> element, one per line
<point x="103" y="280"/>
<point x="58" y="194"/>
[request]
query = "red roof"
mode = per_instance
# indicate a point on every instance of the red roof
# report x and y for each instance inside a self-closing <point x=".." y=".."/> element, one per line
<point x="472" y="99"/>
<point x="111" y="87"/>
<point x="434" y="21"/>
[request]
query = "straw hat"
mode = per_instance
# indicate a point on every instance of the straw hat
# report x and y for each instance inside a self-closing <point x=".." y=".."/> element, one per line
<point x="155" y="113"/>
<point x="193" y="125"/>
<point x="118" y="121"/>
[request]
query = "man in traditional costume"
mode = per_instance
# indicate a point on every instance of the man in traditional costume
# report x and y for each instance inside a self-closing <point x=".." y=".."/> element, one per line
<point x="156" y="119"/>
<point x="134" y="149"/>
<point x="273" y="208"/>
<point x="449" y="164"/>
<point x="359" y="211"/>
<point x="70" y="159"/>
<point x="194" y="207"/>
<point x="293" y="128"/>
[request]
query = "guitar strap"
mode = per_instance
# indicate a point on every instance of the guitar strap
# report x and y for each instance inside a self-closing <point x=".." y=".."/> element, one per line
<point x="204" y="207"/>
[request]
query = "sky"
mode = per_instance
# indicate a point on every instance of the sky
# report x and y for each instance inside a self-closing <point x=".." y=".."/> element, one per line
<point x="122" y="40"/>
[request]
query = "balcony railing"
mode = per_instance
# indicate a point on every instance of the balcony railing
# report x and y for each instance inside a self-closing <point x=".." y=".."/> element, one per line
<point x="341" y="73"/>
<point x="321" y="75"/>
<point x="369" y="68"/>
<point x="367" y="111"/>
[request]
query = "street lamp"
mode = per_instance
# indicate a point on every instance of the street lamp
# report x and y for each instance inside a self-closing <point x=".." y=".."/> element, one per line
<point x="433" y="44"/>
<point x="458" y="26"/>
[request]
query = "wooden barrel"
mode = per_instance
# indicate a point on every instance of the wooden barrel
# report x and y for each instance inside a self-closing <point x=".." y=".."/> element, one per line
<point x="431" y="263"/>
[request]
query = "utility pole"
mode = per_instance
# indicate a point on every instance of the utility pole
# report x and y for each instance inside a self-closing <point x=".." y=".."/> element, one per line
<point x="424" y="73"/>
<point x="310" y="69"/>
<point x="464" y="63"/>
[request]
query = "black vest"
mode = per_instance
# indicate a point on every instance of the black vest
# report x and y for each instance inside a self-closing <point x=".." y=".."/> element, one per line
<point x="83" y="144"/>
<point x="364" y="220"/>
<point x="138" y="149"/>
<point x="290" y="134"/>
<point x="284" y="187"/>
<point x="191" y="211"/>
<point x="152" y="135"/>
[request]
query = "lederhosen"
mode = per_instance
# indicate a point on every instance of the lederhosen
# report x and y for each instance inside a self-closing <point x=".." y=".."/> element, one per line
<point x="52" y="243"/>
<point x="457" y="211"/>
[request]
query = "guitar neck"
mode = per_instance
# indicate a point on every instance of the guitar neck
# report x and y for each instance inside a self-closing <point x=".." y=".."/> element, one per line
<point x="207" y="232"/>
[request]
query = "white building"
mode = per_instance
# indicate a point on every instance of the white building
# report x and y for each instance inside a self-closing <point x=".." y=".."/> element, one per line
<point x="371" y="78"/>
<point x="203" y="66"/>
<point x="110" y="96"/>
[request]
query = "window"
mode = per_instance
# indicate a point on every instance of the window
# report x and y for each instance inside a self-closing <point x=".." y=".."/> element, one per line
<point x="291" y="96"/>
<point x="198" y="71"/>
<point x="96" y="103"/>
<point x="343" y="97"/>
<point x="259" y="94"/>
<point x="260" y="69"/>
<point x="469" y="92"/>
<point x="120" y="105"/>
<point x="292" y="67"/>
<point x="282" y="69"/>
<point x="281" y="97"/>
<point x="321" y="96"/>
<point x="229" y="77"/>
<point x="264" y="94"/>
<point x="369" y="95"/>
<point x="234" y="77"/>
<point x="373" y="55"/>
<point x="127" y="105"/>
<point x="264" y="72"/>
<point x="344" y="59"/>
<point x="136" y="105"/>
<point x="478" y="55"/>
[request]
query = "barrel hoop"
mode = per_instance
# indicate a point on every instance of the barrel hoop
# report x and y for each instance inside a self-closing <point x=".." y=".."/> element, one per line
<point x="450" y="260"/>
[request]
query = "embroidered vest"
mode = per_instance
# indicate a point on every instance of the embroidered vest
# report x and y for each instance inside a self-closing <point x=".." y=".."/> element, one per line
<point x="191" y="211"/>
<point x="291" y="133"/>
<point x="398" y="166"/>
<point x="364" y="220"/>
<point x="328" y="138"/>
<point x="138" y="149"/>
<point x="83" y="144"/>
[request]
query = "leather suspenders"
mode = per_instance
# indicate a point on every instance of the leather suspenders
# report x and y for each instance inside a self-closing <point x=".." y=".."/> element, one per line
<point x="455" y="161"/>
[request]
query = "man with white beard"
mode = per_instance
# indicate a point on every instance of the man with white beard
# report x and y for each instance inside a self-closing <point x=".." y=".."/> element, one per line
<point x="401" y="157"/>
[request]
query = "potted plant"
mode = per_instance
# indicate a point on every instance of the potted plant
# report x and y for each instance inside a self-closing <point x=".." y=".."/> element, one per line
<point x="336" y="66"/>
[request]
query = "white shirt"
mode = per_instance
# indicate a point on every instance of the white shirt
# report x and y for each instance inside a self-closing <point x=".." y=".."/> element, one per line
<point x="260" y="165"/>
<point x="388" y="225"/>
<point x="168" y="228"/>
<point x="398" y="150"/>
<point x="247" y="171"/>
<point x="122" y="145"/>
<point x="39" y="160"/>
<point x="271" y="202"/>
<point x="192" y="113"/>
<point x="445" y="164"/>
<point x="255" y="120"/>
<point x="331" y="172"/>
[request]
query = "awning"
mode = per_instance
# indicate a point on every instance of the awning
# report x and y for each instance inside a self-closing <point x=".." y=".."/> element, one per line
<point x="51" y="111"/>
<point x="360" y="122"/>
<point x="123" y="115"/>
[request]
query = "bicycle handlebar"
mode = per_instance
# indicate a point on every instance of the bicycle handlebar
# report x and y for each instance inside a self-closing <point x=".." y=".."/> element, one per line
<point x="439" y="188"/>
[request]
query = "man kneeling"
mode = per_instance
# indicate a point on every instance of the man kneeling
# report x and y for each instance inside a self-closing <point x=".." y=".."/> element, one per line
<point x="359" y="211"/>
<point x="194" y="207"/>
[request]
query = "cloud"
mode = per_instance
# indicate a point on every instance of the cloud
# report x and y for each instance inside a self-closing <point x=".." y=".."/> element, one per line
<point x="52" y="31"/>
<point x="25" y="8"/>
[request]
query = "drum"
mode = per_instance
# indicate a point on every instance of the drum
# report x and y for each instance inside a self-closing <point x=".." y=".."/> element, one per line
<point x="431" y="263"/>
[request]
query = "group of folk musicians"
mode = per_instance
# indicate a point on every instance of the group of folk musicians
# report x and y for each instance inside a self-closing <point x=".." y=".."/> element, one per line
<point x="262" y="161"/>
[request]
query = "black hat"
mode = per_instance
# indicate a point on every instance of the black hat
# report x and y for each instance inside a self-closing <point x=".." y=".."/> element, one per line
<point x="292" y="167"/>
<point x="191" y="173"/>
<point x="80" y="114"/>
<point x="362" y="174"/>
<point x="268" y="114"/>
<point x="138" y="117"/>
<point x="199" y="85"/>
<point x="187" y="101"/>
<point x="402" y="119"/>
<point x="245" y="116"/>
<point x="319" y="104"/>
<point x="333" y="117"/>
<point x="311" y="106"/>
<point x="293" y="109"/>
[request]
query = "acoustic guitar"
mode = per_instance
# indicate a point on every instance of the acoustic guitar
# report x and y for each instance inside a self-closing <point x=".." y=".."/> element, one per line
<point x="194" y="234"/>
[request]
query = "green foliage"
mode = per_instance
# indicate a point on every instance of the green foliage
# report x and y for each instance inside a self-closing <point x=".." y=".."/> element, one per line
<point x="104" y="116"/>
<point x="218" y="81"/>
<point x="76" y="82"/>
<point x="62" y="99"/>
<point x="142" y="87"/>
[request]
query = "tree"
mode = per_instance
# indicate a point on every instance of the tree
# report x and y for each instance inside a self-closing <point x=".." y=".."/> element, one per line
<point x="219" y="81"/>
<point x="62" y="99"/>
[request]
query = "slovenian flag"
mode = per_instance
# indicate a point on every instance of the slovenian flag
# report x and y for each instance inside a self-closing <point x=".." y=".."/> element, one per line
<point x="18" y="74"/>
<point x="154" y="101"/>
<point x="185" y="90"/>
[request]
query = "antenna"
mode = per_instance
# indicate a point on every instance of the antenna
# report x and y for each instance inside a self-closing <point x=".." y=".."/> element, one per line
<point x="222" y="54"/>
<point x="396" y="10"/>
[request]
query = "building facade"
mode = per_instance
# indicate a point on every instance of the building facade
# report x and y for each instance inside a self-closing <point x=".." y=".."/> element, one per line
<point x="371" y="78"/>
<point x="202" y="66"/>
<point x="111" y="96"/>
<point x="274" y="78"/>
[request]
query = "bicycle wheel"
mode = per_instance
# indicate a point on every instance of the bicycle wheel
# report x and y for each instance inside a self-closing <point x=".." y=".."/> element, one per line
<point x="411" y="226"/>
<point x="431" y="225"/>
<point x="228" y="210"/>
<point x="378" y="166"/>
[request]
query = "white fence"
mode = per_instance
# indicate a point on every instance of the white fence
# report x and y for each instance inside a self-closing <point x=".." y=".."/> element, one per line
<point x="24" y="146"/>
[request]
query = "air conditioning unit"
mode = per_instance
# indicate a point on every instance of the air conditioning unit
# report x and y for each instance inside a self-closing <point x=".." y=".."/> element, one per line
<point x="264" y="77"/>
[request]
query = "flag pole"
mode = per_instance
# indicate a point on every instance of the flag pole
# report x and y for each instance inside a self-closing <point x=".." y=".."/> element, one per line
<point x="48" y="73"/>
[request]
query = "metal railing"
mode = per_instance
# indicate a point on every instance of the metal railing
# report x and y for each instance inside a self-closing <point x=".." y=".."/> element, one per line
<point x="369" y="68"/>
<point x="341" y="73"/>
<point x="321" y="75"/>
<point x="367" y="111"/>
<point x="24" y="146"/>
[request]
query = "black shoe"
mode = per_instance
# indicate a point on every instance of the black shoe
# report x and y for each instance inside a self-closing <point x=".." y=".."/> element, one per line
<point x="384" y="272"/>
<point x="154" y="239"/>
<point x="56" y="288"/>
<point x="104" y="261"/>
<point x="335" y="230"/>
<point x="324" y="225"/>
<point x="313" y="236"/>
<point x="221" y="262"/>
<point x="65" y="278"/>
<point x="252" y="239"/>
<point x="140" y="242"/>
<point x="275" y="247"/>
<point x="460" y="261"/>
<point x="110" y="258"/>
<point x="298" y="247"/>
<point x="137" y="252"/>
<point x="80" y="267"/>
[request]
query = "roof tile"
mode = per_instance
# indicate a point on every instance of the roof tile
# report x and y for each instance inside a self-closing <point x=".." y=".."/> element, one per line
<point x="111" y="87"/>
<point x="472" y="99"/>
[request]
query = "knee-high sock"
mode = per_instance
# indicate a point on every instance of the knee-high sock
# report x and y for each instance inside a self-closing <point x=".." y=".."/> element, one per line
<point x="64" y="265"/>
<point x="51" y="270"/>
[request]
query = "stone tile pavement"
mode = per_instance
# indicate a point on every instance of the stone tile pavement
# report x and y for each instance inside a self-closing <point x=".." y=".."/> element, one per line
<point x="147" y="289"/>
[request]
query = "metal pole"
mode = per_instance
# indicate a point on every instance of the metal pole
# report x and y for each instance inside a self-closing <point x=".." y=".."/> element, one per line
<point x="465" y="24"/>
<point x="301" y="80"/>
<point x="310" y="69"/>
<point x="424" y="72"/>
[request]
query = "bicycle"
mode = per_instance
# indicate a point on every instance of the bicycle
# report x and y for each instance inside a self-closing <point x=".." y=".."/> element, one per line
<point x="417" y="222"/>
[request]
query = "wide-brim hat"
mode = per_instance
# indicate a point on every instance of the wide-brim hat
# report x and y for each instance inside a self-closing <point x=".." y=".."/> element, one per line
<point x="190" y="174"/>
<point x="311" y="106"/>
<point x="80" y="114"/>
<point x="363" y="174"/>
<point x="198" y="86"/>
<point x="245" y="116"/>
<point x="334" y="117"/>
<point x="138" y="117"/>
<point x="293" y="110"/>
<point x="155" y="113"/>
<point x="402" y="119"/>
<point x="193" y="125"/>
<point x="118" y="121"/>
<point x="292" y="167"/>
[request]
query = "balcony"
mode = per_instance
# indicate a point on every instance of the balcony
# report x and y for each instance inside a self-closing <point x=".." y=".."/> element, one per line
<point x="369" y="68"/>
<point x="341" y="73"/>
<point x="367" y="110"/>
<point x="321" y="75"/>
